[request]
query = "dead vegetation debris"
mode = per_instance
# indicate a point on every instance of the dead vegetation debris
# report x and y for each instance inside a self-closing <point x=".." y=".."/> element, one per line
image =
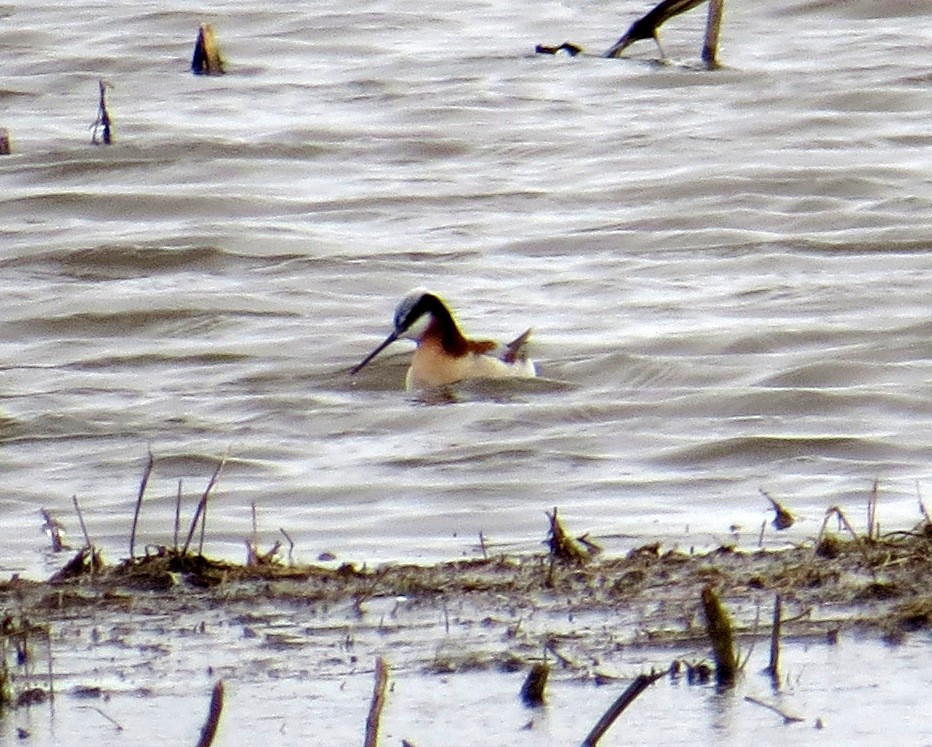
<point x="883" y="582"/>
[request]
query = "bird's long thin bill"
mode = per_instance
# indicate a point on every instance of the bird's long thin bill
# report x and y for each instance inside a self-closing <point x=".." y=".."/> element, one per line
<point x="388" y="341"/>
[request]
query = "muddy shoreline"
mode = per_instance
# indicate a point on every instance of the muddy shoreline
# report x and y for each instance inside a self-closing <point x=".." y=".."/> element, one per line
<point x="104" y="624"/>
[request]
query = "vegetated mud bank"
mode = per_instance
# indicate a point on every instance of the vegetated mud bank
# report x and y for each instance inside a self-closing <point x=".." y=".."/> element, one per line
<point x="163" y="624"/>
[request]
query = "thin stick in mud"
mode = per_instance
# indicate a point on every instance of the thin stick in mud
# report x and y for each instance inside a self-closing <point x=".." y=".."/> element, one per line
<point x="77" y="509"/>
<point x="202" y="507"/>
<point x="209" y="729"/>
<point x="718" y="626"/>
<point x="147" y="472"/>
<point x="640" y="684"/>
<point x="873" y="527"/>
<point x="290" y="547"/>
<point x="378" y="702"/>
<point x="177" y="518"/>
<point x="773" y="668"/>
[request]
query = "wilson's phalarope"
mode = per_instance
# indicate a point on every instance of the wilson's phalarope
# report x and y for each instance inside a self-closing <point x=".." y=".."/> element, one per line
<point x="444" y="355"/>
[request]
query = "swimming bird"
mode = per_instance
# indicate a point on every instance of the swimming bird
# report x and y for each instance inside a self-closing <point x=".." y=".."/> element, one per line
<point x="444" y="355"/>
<point x="646" y="27"/>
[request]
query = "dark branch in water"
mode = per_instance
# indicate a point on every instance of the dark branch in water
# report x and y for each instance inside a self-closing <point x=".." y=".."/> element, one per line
<point x="640" y="684"/>
<point x="209" y="729"/>
<point x="206" y="60"/>
<point x="77" y="509"/>
<point x="103" y="121"/>
<point x="773" y="668"/>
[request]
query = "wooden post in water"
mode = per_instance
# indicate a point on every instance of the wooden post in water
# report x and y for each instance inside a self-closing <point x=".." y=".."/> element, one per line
<point x="4" y="142"/>
<point x="206" y="60"/>
<point x="713" y="28"/>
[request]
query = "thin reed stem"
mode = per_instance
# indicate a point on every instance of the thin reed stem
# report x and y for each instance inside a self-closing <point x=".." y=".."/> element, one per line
<point x="147" y="472"/>
<point x="202" y="507"/>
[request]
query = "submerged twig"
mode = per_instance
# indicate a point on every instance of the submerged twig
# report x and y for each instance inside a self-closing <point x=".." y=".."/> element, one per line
<point x="290" y="546"/>
<point x="640" y="684"/>
<point x="116" y="724"/>
<point x="361" y="597"/>
<point x="147" y="472"/>
<point x="842" y="520"/>
<point x="255" y="558"/>
<point x="378" y="702"/>
<point x="820" y="548"/>
<point x="209" y="729"/>
<point x="787" y="719"/>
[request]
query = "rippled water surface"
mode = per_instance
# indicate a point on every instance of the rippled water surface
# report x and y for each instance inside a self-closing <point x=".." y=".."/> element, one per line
<point x="728" y="272"/>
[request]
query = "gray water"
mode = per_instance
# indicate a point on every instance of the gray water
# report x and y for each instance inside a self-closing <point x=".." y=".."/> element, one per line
<point x="727" y="272"/>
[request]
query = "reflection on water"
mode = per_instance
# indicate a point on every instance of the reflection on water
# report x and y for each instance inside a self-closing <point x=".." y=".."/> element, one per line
<point x="727" y="273"/>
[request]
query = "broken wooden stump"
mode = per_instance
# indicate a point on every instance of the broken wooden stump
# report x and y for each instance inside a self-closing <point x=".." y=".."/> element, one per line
<point x="532" y="691"/>
<point x="718" y="626"/>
